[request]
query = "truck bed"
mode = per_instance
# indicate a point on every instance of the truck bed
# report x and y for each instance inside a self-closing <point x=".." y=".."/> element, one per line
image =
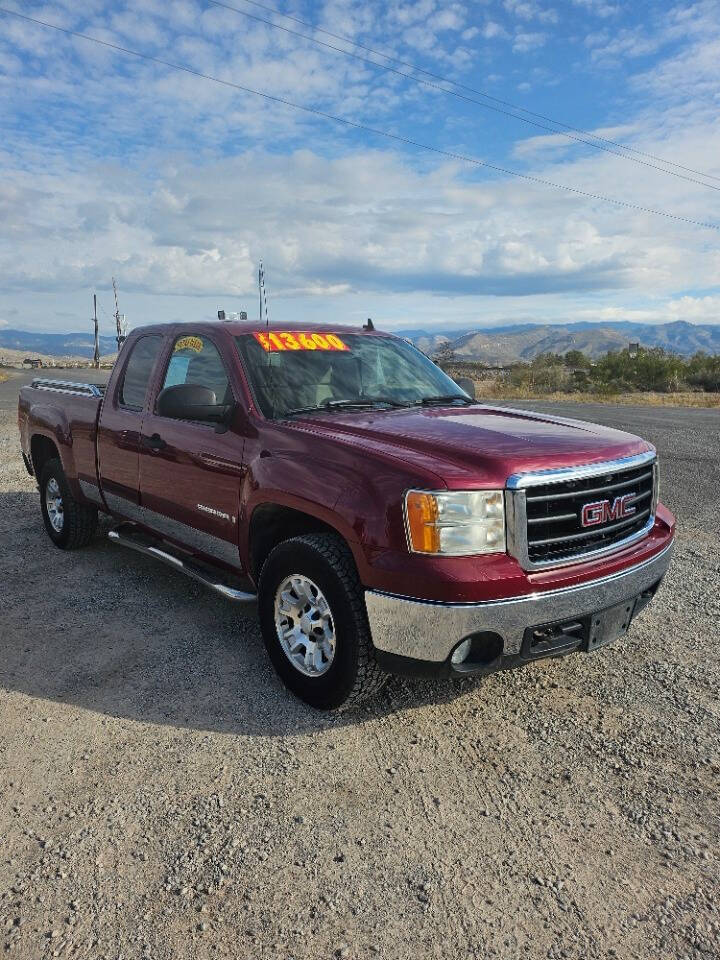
<point x="65" y="413"/>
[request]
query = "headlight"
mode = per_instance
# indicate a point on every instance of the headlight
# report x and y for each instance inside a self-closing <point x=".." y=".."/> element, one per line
<point x="456" y="523"/>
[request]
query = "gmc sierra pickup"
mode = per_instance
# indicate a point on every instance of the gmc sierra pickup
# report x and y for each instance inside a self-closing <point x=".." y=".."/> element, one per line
<point x="381" y="517"/>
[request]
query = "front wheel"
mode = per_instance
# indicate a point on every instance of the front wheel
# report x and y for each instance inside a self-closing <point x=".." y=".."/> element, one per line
<point x="69" y="524"/>
<point x="314" y="622"/>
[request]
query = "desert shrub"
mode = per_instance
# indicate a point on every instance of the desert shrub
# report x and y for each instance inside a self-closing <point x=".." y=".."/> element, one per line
<point x="652" y="370"/>
<point x="577" y="359"/>
<point x="647" y="370"/>
<point x="703" y="372"/>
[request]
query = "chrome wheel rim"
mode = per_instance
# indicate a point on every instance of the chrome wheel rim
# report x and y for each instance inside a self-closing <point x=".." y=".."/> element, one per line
<point x="54" y="505"/>
<point x="305" y="625"/>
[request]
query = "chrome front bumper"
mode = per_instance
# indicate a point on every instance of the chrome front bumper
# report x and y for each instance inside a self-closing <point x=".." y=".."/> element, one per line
<point x="429" y="631"/>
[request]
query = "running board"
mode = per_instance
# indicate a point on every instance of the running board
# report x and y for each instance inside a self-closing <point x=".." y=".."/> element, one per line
<point x="128" y="536"/>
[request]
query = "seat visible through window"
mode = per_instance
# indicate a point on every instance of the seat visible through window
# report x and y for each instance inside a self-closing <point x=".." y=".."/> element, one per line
<point x="196" y="360"/>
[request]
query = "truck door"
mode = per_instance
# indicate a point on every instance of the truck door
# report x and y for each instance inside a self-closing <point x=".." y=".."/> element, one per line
<point x="189" y="472"/>
<point x="120" y="426"/>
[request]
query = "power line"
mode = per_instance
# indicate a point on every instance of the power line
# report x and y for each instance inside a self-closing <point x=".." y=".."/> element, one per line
<point x="367" y="129"/>
<point x="462" y="86"/>
<point x="460" y="96"/>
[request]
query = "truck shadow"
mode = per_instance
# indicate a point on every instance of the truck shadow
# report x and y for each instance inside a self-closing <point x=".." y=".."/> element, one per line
<point x="111" y="631"/>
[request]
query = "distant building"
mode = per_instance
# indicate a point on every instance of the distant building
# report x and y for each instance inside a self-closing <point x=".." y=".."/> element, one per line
<point x="634" y="349"/>
<point x="32" y="362"/>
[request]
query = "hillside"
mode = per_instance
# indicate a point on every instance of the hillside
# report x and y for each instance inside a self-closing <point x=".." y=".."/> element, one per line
<point x="54" y="344"/>
<point x="496" y="346"/>
<point x="500" y="346"/>
<point x="14" y="358"/>
<point x="506" y="348"/>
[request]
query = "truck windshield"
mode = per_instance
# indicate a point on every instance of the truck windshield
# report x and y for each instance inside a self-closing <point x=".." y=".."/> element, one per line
<point x="300" y="372"/>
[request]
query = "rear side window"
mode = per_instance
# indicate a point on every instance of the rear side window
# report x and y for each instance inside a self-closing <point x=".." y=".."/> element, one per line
<point x="195" y="359"/>
<point x="138" y="372"/>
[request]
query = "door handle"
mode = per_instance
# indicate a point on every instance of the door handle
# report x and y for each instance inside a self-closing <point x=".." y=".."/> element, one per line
<point x="155" y="442"/>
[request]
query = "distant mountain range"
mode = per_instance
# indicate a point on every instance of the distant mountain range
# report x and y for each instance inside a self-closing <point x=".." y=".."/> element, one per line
<point x="55" y="344"/>
<point x="521" y="342"/>
<point x="492" y="345"/>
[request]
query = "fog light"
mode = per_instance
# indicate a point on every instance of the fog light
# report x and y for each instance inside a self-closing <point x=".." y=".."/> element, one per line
<point x="461" y="651"/>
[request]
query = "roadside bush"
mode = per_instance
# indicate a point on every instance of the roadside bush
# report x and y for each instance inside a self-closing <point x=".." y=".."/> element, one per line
<point x="653" y="370"/>
<point x="647" y="370"/>
<point x="704" y="372"/>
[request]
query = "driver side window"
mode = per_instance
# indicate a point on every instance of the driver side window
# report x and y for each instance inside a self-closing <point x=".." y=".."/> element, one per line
<point x="196" y="360"/>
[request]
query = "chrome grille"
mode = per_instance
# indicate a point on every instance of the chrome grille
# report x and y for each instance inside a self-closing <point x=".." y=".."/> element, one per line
<point x="545" y="510"/>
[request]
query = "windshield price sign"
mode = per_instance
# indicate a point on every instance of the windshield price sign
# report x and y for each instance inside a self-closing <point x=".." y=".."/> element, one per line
<point x="297" y="340"/>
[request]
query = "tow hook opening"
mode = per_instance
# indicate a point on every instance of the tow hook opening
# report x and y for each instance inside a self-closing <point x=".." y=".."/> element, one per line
<point x="477" y="652"/>
<point x="552" y="638"/>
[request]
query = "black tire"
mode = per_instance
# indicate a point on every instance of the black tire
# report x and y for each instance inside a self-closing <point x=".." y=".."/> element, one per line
<point x="78" y="520"/>
<point x="354" y="674"/>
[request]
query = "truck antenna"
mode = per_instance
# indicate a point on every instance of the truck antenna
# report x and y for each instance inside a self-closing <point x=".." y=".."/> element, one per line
<point x="369" y="325"/>
<point x="119" y="324"/>
<point x="263" y="294"/>
<point x="96" y="355"/>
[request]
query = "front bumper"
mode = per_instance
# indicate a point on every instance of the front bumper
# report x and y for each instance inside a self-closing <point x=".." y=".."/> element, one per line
<point x="418" y="637"/>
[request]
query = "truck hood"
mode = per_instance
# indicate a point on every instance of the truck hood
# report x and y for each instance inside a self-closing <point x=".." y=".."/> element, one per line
<point x="475" y="445"/>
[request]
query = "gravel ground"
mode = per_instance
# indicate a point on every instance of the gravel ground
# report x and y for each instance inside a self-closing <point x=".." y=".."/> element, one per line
<point x="162" y="796"/>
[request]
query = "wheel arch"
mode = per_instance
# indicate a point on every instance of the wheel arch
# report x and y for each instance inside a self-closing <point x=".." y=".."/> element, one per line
<point x="42" y="449"/>
<point x="272" y="523"/>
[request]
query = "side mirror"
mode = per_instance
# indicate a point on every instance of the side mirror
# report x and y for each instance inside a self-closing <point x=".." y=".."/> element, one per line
<point x="189" y="401"/>
<point x="466" y="384"/>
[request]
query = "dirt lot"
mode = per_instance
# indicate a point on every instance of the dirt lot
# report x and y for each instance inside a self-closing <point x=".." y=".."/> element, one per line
<point x="162" y="796"/>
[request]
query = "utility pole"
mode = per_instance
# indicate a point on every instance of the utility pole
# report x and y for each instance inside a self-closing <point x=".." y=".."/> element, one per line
<point x="118" y="322"/>
<point x="96" y="356"/>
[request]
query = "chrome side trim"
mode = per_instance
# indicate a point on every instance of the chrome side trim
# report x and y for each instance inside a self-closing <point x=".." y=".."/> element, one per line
<point x="516" y="529"/>
<point x="69" y="387"/>
<point x="189" y="536"/>
<point x="187" y="567"/>
<point x="538" y="477"/>
<point x="427" y="630"/>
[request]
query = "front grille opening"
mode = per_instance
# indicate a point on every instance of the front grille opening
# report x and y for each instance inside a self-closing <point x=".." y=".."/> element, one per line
<point x="555" y="531"/>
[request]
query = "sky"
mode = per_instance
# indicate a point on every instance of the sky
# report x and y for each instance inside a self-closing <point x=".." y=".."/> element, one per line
<point x="113" y="165"/>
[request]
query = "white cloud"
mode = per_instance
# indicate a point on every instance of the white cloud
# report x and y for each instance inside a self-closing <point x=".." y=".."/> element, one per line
<point x="555" y="142"/>
<point x="364" y="221"/>
<point x="688" y="309"/>
<point x="525" y="41"/>
<point x="601" y="8"/>
<point x="492" y="29"/>
<point x="531" y="10"/>
<point x="176" y="197"/>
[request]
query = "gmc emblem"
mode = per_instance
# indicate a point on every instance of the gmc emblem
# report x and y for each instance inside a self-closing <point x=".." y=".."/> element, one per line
<point x="602" y="511"/>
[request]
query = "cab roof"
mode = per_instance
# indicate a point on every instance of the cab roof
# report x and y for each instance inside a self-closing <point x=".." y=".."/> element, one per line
<point x="237" y="328"/>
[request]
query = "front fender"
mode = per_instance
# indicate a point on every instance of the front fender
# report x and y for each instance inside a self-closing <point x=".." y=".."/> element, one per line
<point x="297" y="482"/>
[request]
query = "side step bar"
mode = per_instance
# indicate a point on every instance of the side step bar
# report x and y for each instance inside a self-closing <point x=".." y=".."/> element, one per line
<point x="127" y="535"/>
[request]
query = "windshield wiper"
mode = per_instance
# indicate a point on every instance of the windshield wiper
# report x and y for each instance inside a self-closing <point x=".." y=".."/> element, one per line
<point x="449" y="398"/>
<point x="361" y="403"/>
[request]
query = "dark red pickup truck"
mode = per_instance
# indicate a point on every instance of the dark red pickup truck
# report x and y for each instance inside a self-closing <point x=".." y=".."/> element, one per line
<point x="383" y="519"/>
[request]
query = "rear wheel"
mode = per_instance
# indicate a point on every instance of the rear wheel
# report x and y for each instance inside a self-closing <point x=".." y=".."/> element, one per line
<point x="314" y="623"/>
<point x="70" y="525"/>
